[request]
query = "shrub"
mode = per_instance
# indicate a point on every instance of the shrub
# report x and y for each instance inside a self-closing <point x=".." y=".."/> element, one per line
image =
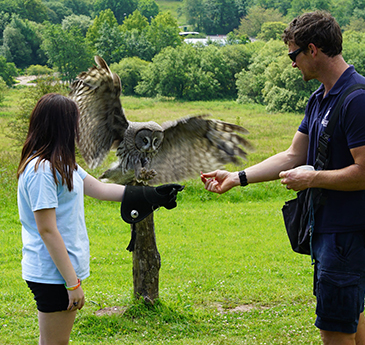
<point x="38" y="70"/>
<point x="18" y="128"/>
<point x="3" y="89"/>
<point x="129" y="71"/>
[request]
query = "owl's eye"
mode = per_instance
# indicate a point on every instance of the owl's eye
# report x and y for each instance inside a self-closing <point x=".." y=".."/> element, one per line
<point x="145" y="141"/>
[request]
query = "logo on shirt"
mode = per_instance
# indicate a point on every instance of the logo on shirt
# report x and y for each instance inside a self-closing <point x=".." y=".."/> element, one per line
<point x="325" y="119"/>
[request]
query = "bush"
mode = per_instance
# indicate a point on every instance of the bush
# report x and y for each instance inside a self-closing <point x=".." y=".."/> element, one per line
<point x="195" y="72"/>
<point x="18" y="128"/>
<point x="271" y="80"/>
<point x="354" y="50"/>
<point x="38" y="70"/>
<point x="285" y="90"/>
<point x="3" y="89"/>
<point x="7" y="71"/>
<point x="251" y="82"/>
<point x="129" y="71"/>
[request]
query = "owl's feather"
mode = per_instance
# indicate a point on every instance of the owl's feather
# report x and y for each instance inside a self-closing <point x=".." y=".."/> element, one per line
<point x="102" y="120"/>
<point x="195" y="144"/>
<point x="190" y="145"/>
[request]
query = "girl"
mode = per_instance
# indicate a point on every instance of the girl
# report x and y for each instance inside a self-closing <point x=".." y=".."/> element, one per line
<point x="51" y="187"/>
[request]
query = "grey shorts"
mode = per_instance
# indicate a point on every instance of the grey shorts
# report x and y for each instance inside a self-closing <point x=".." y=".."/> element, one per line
<point x="339" y="280"/>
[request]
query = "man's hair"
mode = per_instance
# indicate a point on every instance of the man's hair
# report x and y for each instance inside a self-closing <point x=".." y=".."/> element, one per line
<point x="319" y="28"/>
<point x="53" y="130"/>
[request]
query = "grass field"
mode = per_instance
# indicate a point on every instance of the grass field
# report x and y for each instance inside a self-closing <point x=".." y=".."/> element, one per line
<point x="228" y="275"/>
<point x="172" y="7"/>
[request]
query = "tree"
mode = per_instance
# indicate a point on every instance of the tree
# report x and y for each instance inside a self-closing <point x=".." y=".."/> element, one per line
<point x="270" y="79"/>
<point x="3" y="89"/>
<point x="21" y="43"/>
<point x="7" y="71"/>
<point x="186" y="72"/>
<point x="129" y="71"/>
<point x="300" y="6"/>
<point x="256" y="17"/>
<point x="109" y="43"/>
<point x="281" y="5"/>
<point x="4" y="21"/>
<point x="57" y="11"/>
<point x="232" y="38"/>
<point x="236" y="58"/>
<point x="221" y="16"/>
<point x="120" y="8"/>
<point x="93" y="32"/>
<point x="356" y="24"/>
<point x="34" y="10"/>
<point x="9" y="6"/>
<point x="251" y="82"/>
<point x="135" y="21"/>
<point x="271" y="30"/>
<point x="79" y="7"/>
<point x="285" y="90"/>
<point x="214" y="16"/>
<point x="18" y="127"/>
<point x="194" y="13"/>
<point x="168" y="74"/>
<point x="163" y="32"/>
<point x="81" y="21"/>
<point x="342" y="11"/>
<point x="66" y="50"/>
<point x="148" y="8"/>
<point x="15" y="47"/>
<point x="354" y="49"/>
<point x="136" y="43"/>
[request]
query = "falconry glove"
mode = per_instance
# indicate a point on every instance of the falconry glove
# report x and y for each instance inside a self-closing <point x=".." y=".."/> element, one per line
<point x="140" y="201"/>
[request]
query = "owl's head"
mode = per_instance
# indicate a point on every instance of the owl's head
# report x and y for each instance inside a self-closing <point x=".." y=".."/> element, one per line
<point x="149" y="137"/>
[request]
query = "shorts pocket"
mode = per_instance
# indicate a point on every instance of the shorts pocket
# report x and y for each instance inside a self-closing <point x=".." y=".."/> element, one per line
<point x="338" y="296"/>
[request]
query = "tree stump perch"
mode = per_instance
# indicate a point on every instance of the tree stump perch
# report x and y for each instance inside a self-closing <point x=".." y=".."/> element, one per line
<point x="146" y="261"/>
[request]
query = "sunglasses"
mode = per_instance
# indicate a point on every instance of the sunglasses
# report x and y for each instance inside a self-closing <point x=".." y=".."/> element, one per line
<point x="293" y="55"/>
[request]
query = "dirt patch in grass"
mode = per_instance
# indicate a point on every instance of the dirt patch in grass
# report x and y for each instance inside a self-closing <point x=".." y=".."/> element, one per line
<point x="110" y="311"/>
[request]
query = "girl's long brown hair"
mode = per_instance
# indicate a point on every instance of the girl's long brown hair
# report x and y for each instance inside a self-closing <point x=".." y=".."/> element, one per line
<point x="53" y="130"/>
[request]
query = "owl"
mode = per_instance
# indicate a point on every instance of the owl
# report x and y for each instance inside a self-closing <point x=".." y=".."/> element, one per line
<point x="147" y="152"/>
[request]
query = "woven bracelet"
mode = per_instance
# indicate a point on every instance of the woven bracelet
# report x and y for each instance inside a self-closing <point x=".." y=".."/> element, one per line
<point x="74" y="287"/>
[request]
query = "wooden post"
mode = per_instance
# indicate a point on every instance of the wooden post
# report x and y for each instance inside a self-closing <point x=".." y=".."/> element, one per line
<point x="146" y="261"/>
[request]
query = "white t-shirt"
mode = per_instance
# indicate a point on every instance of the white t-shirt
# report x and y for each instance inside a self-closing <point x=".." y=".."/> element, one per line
<point x="37" y="190"/>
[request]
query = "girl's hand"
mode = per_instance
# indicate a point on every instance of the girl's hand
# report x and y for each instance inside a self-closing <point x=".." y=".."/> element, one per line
<point x="76" y="299"/>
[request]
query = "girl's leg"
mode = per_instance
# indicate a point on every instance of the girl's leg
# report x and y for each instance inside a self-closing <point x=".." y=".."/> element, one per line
<point x="55" y="328"/>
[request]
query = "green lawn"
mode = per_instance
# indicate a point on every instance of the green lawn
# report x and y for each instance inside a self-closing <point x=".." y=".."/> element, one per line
<point x="172" y="7"/>
<point x="228" y="275"/>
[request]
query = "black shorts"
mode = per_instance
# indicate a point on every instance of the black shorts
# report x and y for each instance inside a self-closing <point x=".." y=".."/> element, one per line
<point x="49" y="297"/>
<point x="339" y="280"/>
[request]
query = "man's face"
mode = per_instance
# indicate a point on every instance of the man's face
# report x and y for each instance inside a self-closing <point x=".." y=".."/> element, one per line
<point x="300" y="60"/>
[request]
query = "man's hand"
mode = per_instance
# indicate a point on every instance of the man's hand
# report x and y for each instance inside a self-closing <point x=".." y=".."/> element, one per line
<point x="298" y="179"/>
<point x="220" y="181"/>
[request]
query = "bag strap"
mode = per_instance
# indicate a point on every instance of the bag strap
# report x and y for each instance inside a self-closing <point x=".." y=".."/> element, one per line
<point x="322" y="159"/>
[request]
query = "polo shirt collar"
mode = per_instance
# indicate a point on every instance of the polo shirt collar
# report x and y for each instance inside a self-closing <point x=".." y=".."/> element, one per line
<point x="341" y="83"/>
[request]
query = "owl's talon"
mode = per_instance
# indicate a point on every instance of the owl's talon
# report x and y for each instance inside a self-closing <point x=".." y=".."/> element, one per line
<point x="145" y="174"/>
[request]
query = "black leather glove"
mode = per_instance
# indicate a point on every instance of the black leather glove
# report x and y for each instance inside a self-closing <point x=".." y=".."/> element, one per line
<point x="140" y="201"/>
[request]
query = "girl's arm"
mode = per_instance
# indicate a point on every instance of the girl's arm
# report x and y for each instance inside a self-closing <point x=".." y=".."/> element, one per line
<point x="47" y="227"/>
<point x="102" y="191"/>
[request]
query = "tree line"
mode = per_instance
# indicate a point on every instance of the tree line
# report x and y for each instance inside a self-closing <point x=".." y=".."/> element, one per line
<point x="144" y="47"/>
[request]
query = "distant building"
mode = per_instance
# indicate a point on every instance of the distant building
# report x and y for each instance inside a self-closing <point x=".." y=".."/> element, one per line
<point x="186" y="33"/>
<point x="220" y="39"/>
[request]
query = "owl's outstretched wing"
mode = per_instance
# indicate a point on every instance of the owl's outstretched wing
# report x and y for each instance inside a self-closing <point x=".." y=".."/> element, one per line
<point x="195" y="144"/>
<point x="102" y="120"/>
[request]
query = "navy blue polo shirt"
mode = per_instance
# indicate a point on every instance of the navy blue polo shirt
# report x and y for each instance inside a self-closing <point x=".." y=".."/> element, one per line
<point x="343" y="211"/>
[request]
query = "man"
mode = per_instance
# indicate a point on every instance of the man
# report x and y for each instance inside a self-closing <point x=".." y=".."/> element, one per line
<point x="314" y="42"/>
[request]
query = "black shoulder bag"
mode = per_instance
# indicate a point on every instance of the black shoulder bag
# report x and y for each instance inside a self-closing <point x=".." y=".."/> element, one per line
<point x="299" y="213"/>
